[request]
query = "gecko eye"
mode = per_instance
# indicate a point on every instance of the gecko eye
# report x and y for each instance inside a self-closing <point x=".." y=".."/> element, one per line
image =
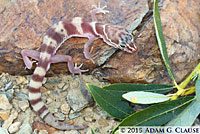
<point x="123" y="43"/>
<point x="129" y="36"/>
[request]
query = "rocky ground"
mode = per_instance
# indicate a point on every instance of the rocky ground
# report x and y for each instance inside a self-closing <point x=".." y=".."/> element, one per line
<point x="23" y="26"/>
<point x="63" y="96"/>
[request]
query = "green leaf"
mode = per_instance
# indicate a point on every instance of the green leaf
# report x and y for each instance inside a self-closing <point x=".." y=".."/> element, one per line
<point x="158" y="114"/>
<point x="92" y="131"/>
<point x="161" y="39"/>
<point x="122" y="88"/>
<point x="197" y="85"/>
<point x="188" y="116"/>
<point x="110" y="103"/>
<point x="141" y="97"/>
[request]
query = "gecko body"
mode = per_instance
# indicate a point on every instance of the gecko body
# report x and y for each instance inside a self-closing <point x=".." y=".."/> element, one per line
<point x="114" y="36"/>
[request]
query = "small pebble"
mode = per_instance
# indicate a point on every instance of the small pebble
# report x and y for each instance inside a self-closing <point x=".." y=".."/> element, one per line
<point x="65" y="87"/>
<point x="14" y="127"/>
<point x="9" y="85"/>
<point x="8" y="94"/>
<point x="65" y="108"/>
<point x="4" y="114"/>
<point x="21" y="95"/>
<point x="4" y="103"/>
<point x="60" y="116"/>
<point x="89" y="119"/>
<point x="10" y="120"/>
<point x="49" y="100"/>
<point x="25" y="129"/>
<point x="74" y="115"/>
<point x="102" y="122"/>
<point x="105" y="115"/>
<point x="53" y="109"/>
<point x="43" y="132"/>
<point x="21" y="80"/>
<point x="61" y="85"/>
<point x="5" y="81"/>
<point x="60" y="132"/>
<point x="45" y="80"/>
<point x="3" y="131"/>
<point x="35" y="131"/>
<point x="23" y="105"/>
<point x="72" y="132"/>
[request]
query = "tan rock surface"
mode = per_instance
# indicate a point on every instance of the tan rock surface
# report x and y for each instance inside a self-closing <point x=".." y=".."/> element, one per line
<point x="24" y="23"/>
<point x="180" y="21"/>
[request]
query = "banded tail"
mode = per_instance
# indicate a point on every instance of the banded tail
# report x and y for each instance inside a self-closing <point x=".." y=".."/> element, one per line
<point x="36" y="100"/>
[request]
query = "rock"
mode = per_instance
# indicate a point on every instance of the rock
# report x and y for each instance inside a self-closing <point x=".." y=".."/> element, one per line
<point x="43" y="132"/>
<point x="65" y="87"/>
<point x="43" y="89"/>
<point x="79" y="97"/>
<point x="102" y="122"/>
<point x="9" y="85"/>
<point x="4" y="114"/>
<point x="146" y="64"/>
<point x="51" y="83"/>
<point x="25" y="129"/>
<point x="61" y="85"/>
<point x="65" y="108"/>
<point x="5" y="81"/>
<point x="49" y="100"/>
<point x="53" y="109"/>
<point x="89" y="119"/>
<point x="60" y="116"/>
<point x="27" y="32"/>
<point x="0" y="122"/>
<point x="14" y="127"/>
<point x="23" y="105"/>
<point x="71" y="132"/>
<point x="21" y="80"/>
<point x="41" y="126"/>
<point x="21" y="95"/>
<point x="59" y="132"/>
<point x="4" y="103"/>
<point x="3" y="131"/>
<point x="10" y="120"/>
<point x="74" y="115"/>
<point x="8" y="95"/>
<point x="45" y="80"/>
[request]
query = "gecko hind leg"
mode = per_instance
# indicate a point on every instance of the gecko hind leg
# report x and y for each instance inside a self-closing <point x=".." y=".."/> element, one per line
<point x="26" y="53"/>
<point x="74" y="69"/>
<point x="87" y="51"/>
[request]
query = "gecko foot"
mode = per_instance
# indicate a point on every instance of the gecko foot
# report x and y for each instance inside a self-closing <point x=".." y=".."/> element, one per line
<point x="28" y="64"/>
<point x="99" y="9"/>
<point x="77" y="69"/>
<point x="92" y="55"/>
<point x="89" y="56"/>
<point x="26" y="53"/>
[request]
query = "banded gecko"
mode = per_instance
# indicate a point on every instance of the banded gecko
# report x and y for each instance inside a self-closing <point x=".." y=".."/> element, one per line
<point x="114" y="36"/>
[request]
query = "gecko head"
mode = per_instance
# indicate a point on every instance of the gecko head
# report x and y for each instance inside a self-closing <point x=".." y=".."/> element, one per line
<point x="119" y="37"/>
<point x="126" y="42"/>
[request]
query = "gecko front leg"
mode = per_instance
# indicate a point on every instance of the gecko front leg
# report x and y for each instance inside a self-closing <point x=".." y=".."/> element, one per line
<point x="26" y="53"/>
<point x="98" y="9"/>
<point x="74" y="69"/>
<point x="87" y="51"/>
